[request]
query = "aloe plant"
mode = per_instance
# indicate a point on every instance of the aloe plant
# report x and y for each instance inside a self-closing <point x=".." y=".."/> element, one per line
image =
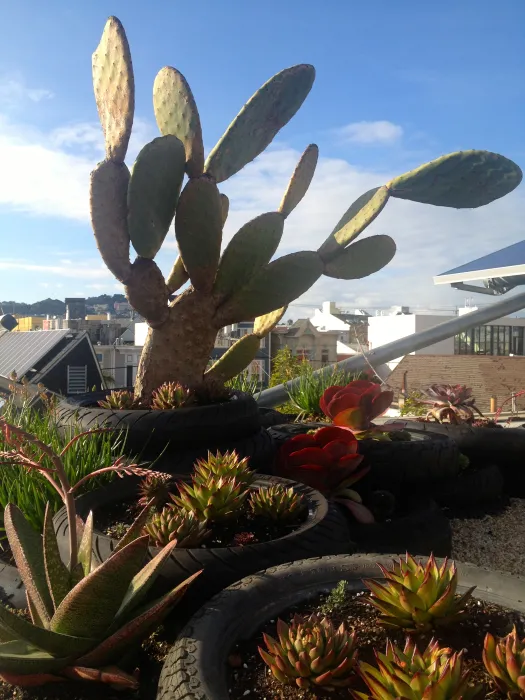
<point x="85" y="615"/>
<point x="241" y="284"/>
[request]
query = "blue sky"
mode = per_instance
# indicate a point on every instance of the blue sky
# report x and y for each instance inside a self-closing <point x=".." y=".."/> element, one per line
<point x="397" y="84"/>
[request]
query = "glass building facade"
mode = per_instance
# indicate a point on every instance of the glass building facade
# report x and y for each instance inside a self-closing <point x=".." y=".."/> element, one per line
<point x="490" y="340"/>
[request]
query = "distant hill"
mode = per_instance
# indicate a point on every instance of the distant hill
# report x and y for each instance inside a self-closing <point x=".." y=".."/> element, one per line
<point x="56" y="307"/>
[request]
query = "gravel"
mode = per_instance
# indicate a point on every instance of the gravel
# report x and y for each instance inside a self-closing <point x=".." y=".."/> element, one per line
<point x="495" y="541"/>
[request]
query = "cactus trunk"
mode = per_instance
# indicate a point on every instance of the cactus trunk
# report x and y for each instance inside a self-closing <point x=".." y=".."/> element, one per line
<point x="180" y="349"/>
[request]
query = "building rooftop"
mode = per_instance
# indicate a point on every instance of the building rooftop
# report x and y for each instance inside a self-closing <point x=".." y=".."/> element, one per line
<point x="20" y="352"/>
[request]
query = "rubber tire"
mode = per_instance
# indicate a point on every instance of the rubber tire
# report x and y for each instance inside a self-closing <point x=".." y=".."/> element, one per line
<point x="196" y="669"/>
<point x="396" y="465"/>
<point x="180" y="436"/>
<point x="484" y="446"/>
<point x="474" y="487"/>
<point x="424" y="531"/>
<point x="324" y="532"/>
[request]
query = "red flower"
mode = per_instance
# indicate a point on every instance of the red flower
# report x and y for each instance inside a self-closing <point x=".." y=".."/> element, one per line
<point x="355" y="405"/>
<point x="325" y="460"/>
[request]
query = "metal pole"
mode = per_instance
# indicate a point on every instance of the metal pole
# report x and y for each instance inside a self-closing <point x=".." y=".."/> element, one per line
<point x="399" y="348"/>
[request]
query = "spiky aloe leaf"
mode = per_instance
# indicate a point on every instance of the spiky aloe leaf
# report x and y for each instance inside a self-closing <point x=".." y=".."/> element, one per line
<point x="463" y="180"/>
<point x="26" y="546"/>
<point x="108" y="197"/>
<point x="141" y="584"/>
<point x="57" y="644"/>
<point x="225" y="204"/>
<point x="23" y="658"/>
<point x="249" y="250"/>
<point x="177" y="114"/>
<point x="137" y="628"/>
<point x="256" y="125"/>
<point x="265" y="324"/>
<point x="109" y="675"/>
<point x="153" y="192"/>
<point x="35" y="617"/>
<point x="90" y="607"/>
<point x="198" y="227"/>
<point x="114" y="87"/>
<point x="57" y="573"/>
<point x="276" y="285"/>
<point x="135" y="529"/>
<point x="235" y="359"/>
<point x="300" y="180"/>
<point x="362" y="258"/>
<point x="358" y="216"/>
<point x="178" y="276"/>
<point x="86" y="545"/>
<point x="30" y="680"/>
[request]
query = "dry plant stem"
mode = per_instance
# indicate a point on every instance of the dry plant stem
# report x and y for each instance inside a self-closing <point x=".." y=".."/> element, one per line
<point x="80" y="435"/>
<point x="120" y="468"/>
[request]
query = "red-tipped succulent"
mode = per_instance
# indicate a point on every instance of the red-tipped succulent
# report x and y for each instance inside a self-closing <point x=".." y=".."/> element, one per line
<point x="452" y="402"/>
<point x="328" y="461"/>
<point x="355" y="405"/>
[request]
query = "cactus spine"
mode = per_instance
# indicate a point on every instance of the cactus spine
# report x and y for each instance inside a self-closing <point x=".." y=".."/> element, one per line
<point x="244" y="283"/>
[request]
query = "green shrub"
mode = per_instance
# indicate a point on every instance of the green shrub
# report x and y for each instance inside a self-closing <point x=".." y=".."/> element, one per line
<point x="413" y="406"/>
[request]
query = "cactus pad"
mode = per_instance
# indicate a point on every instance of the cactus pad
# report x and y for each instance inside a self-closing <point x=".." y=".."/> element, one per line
<point x="178" y="275"/>
<point x="235" y="359"/>
<point x="153" y="192"/>
<point x="463" y="180"/>
<point x="198" y="227"/>
<point x="114" y="87"/>
<point x="276" y="285"/>
<point x="300" y="180"/>
<point x="109" y="212"/>
<point x="176" y="113"/>
<point x="358" y="216"/>
<point x="249" y="250"/>
<point x="261" y="118"/>
<point x="225" y="204"/>
<point x="362" y="258"/>
<point x="265" y="324"/>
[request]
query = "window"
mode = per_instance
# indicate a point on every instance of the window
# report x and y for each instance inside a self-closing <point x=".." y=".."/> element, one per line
<point x="76" y="379"/>
<point x="129" y="358"/>
<point x="262" y="344"/>
<point x="256" y="369"/>
<point x="303" y="353"/>
<point x="490" y="340"/>
<point x="99" y="356"/>
<point x="324" y="356"/>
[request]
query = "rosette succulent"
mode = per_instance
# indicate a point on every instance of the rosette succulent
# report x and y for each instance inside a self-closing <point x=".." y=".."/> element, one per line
<point x="228" y="465"/>
<point x="504" y="660"/>
<point x="277" y="503"/>
<point x="311" y="652"/>
<point x="154" y="487"/>
<point x="170" y="395"/>
<point x="452" y="402"/>
<point x="176" y="525"/>
<point x="435" y="674"/>
<point x="220" y="498"/>
<point x="119" y="400"/>
<point x="416" y="597"/>
<point x="356" y="405"/>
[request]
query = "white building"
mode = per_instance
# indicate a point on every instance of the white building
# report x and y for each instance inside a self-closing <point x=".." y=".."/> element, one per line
<point x="351" y="327"/>
<point x="118" y="363"/>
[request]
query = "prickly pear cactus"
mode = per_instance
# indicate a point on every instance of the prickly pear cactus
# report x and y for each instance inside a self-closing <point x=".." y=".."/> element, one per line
<point x="244" y="283"/>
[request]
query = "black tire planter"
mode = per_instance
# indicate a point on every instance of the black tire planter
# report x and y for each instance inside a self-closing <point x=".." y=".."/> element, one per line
<point x="485" y="446"/>
<point x="12" y="590"/>
<point x="325" y="531"/>
<point x="473" y="488"/>
<point x="424" y="531"/>
<point x="397" y="466"/>
<point x="177" y="438"/>
<point x="196" y="666"/>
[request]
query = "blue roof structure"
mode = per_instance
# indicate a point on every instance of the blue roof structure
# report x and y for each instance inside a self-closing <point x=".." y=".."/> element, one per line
<point x="507" y="262"/>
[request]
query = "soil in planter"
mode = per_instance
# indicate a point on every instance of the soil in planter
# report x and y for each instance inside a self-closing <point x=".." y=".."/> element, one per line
<point x="250" y="677"/>
<point x="247" y="529"/>
<point x="149" y="661"/>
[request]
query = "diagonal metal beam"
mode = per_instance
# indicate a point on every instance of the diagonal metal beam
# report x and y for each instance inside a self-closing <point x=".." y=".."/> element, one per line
<point x="278" y="395"/>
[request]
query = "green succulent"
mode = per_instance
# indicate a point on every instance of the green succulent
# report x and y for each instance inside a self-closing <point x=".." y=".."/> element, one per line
<point x="504" y="660"/>
<point x="170" y="395"/>
<point x="119" y="400"/>
<point x="220" y="498"/>
<point x="228" y="465"/>
<point x="277" y="503"/>
<point x="241" y="281"/>
<point x="176" y="525"/>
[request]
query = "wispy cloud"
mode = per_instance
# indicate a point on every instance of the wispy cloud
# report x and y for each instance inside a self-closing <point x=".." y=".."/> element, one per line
<point x="368" y="133"/>
<point x="86" y="270"/>
<point x="14" y="91"/>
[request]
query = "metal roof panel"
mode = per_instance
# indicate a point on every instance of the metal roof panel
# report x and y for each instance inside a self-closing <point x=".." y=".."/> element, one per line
<point x="21" y="350"/>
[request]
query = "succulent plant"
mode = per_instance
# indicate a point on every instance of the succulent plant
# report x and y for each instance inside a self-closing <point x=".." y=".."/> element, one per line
<point x="356" y="405"/>
<point x="435" y="674"/>
<point x="228" y="464"/>
<point x="416" y="597"/>
<point x="85" y="615"/>
<point x="119" y="400"/>
<point x="176" y="525"/>
<point x="220" y="498"/>
<point x="311" y="652"/>
<point x="453" y="402"/>
<point x="504" y="660"/>
<point x="277" y="503"/>
<point x="170" y="395"/>
<point x="154" y="487"/>
<point x="242" y="283"/>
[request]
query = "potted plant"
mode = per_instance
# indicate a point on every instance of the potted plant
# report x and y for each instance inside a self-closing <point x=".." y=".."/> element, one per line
<point x="241" y="284"/>
<point x="357" y="626"/>
<point x="226" y="520"/>
<point x="83" y="615"/>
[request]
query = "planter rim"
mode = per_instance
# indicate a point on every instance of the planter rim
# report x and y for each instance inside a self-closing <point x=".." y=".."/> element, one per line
<point x="11" y="586"/>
